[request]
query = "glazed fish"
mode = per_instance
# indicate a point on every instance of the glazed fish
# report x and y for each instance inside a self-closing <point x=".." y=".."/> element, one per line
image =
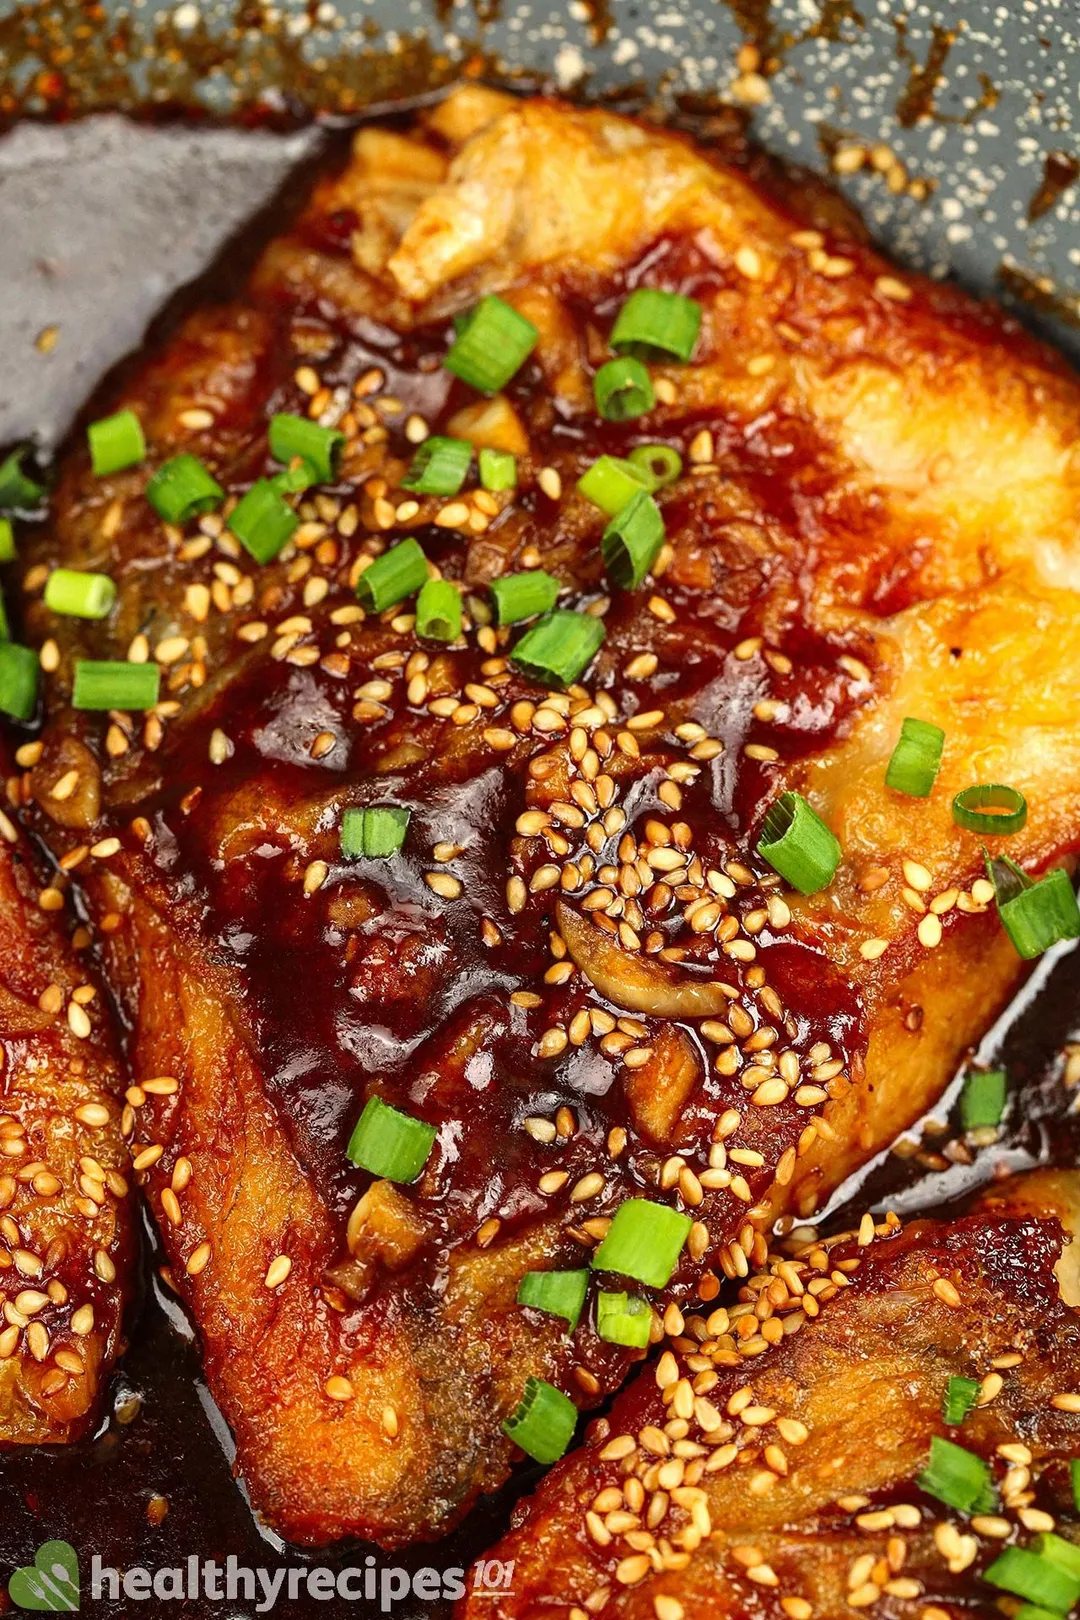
<point x="66" y="1216"/>
<point x="819" y="1478"/>
<point x="377" y="867"/>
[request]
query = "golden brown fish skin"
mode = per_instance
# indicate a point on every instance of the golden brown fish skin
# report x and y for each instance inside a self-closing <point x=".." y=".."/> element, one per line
<point x="67" y="1243"/>
<point x="819" y="1443"/>
<point x="879" y="515"/>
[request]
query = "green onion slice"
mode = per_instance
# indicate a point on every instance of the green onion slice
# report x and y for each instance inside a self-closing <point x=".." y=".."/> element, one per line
<point x="5" y="628"/>
<point x="102" y="685"/>
<point x="498" y="470"/>
<point x="116" y="442"/>
<point x="558" y="1293"/>
<point x="398" y="573"/>
<point x="1065" y="1554"/>
<point x="390" y="1144"/>
<point x="544" y="1421"/>
<point x="652" y="322"/>
<point x="623" y="390"/>
<point x="182" y="488"/>
<point x="18" y="680"/>
<point x="560" y="648"/>
<point x="960" y="1396"/>
<point x="79" y="595"/>
<point x="958" y="1478"/>
<point x="320" y="447"/>
<point x="439" y="466"/>
<point x="797" y="844"/>
<point x="632" y="540"/>
<point x="523" y="596"/>
<point x="611" y="483"/>
<point x="1037" y="1579"/>
<point x="660" y="461"/>
<point x="644" y="1241"/>
<point x="295" y="479"/>
<point x="623" y="1319"/>
<point x="7" y="541"/>
<point x="438" y="611"/>
<point x="375" y="833"/>
<point x="1035" y="915"/>
<point x="18" y="491"/>
<point x="1031" y="1611"/>
<point x="916" y="759"/>
<point x="263" y="521"/>
<point x="982" y="1101"/>
<point x="492" y="343"/>
<point x="990" y="807"/>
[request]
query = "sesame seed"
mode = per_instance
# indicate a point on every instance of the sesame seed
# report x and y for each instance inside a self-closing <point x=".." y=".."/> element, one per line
<point x="277" y="1271"/>
<point x="338" y="1388"/>
<point x="444" y="884"/>
<point x="198" y="1260"/>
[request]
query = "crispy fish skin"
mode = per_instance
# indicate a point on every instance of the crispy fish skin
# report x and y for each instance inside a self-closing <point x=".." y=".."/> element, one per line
<point x="67" y="1244"/>
<point x="819" y="1443"/>
<point x="878" y="518"/>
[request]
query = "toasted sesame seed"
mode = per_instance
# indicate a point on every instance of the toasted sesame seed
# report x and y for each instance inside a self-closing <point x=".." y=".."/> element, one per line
<point x="277" y="1271"/>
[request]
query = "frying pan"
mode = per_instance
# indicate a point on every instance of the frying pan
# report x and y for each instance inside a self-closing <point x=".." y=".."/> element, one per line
<point x="154" y="157"/>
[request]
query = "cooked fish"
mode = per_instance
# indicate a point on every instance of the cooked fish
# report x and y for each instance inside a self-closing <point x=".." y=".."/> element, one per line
<point x="66" y="1220"/>
<point x="577" y="969"/>
<point x="790" y="1484"/>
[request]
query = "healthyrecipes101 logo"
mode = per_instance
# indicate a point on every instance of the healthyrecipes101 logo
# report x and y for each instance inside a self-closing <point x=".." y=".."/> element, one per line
<point x="50" y="1585"/>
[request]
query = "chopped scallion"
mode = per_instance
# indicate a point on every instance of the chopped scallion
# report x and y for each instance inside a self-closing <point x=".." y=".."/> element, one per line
<point x="398" y="573"/>
<point x="559" y="649"/>
<point x="611" y="483"/>
<point x="1037" y="1579"/>
<point x="991" y="808"/>
<point x="660" y="461"/>
<point x="1035" y="915"/>
<point x="916" y="759"/>
<point x="1065" y="1554"/>
<point x="623" y="389"/>
<point x="116" y="442"/>
<point x="263" y="521"/>
<point x="958" y="1478"/>
<point x="632" y="540"/>
<point x="375" y="833"/>
<point x="182" y="488"/>
<point x="523" y="596"/>
<point x="104" y="685"/>
<point x="389" y="1143"/>
<point x="78" y="595"/>
<point x="623" y="1319"/>
<point x="7" y="541"/>
<point x="558" y="1293"/>
<point x="652" y="322"/>
<point x="644" y="1241"/>
<point x="319" y="446"/>
<point x="439" y="466"/>
<point x="492" y="343"/>
<point x="960" y="1396"/>
<point x="543" y="1422"/>
<point x="498" y="470"/>
<point x="797" y="844"/>
<point x="982" y="1101"/>
<point x="438" y="611"/>
<point x="18" y="680"/>
<point x="18" y="491"/>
